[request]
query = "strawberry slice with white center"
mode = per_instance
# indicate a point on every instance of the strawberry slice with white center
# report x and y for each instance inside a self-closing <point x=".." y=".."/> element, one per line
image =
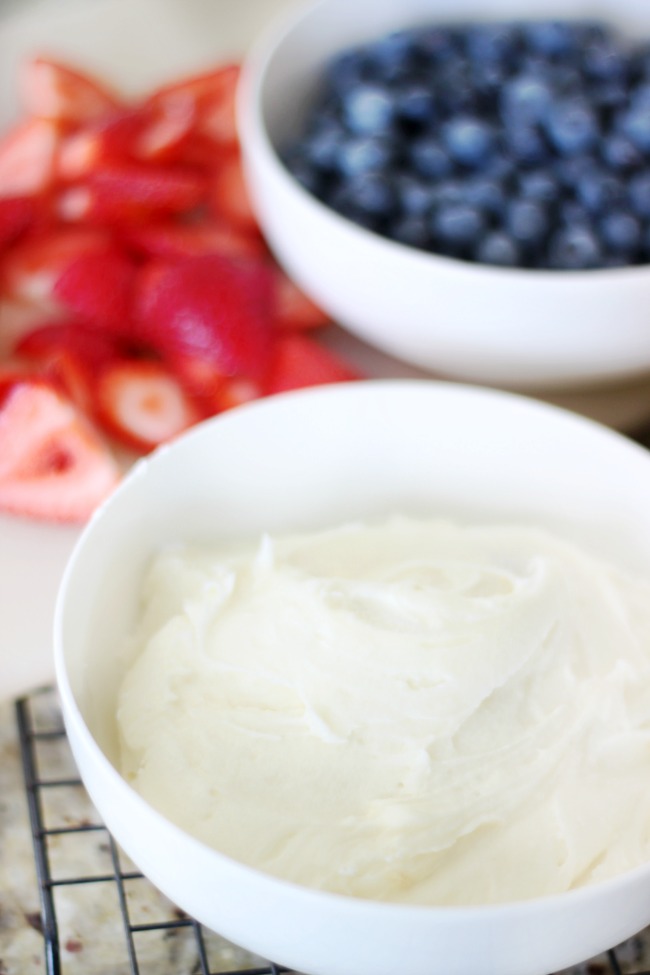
<point x="141" y="404"/>
<point x="51" y="90"/>
<point x="53" y="466"/>
<point x="28" y="158"/>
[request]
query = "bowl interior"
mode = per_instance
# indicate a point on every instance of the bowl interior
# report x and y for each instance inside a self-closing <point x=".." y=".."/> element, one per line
<point x="321" y="457"/>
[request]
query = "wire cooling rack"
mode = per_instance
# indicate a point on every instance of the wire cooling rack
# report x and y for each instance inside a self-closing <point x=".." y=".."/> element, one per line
<point x="99" y="915"/>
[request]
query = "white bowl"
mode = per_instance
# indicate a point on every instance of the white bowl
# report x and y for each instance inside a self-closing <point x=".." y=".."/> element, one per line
<point x="312" y="459"/>
<point x="494" y="325"/>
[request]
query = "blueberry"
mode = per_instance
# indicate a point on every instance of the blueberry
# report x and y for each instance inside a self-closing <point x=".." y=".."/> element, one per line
<point x="368" y="110"/>
<point x="415" y="196"/>
<point x="496" y="43"/>
<point x="604" y="60"/>
<point x="639" y="194"/>
<point x="635" y="124"/>
<point x="609" y="96"/>
<point x="619" y="153"/>
<point x="498" y="248"/>
<point x="416" y="103"/>
<point x="525" y="98"/>
<point x="413" y="230"/>
<point x="454" y="87"/>
<point x="374" y="194"/>
<point x="540" y="185"/>
<point x="324" y="147"/>
<point x="468" y="139"/>
<point x="621" y="231"/>
<point x="527" y="222"/>
<point x="488" y="78"/>
<point x="365" y="154"/>
<point x="448" y="191"/>
<point x="457" y="225"/>
<point x="346" y="71"/>
<point x="572" y="126"/>
<point x="550" y="37"/>
<point x="599" y="191"/>
<point x="575" y="248"/>
<point x="485" y="193"/>
<point x="437" y="44"/>
<point x="574" y="169"/>
<point x="526" y="145"/>
<point x="429" y="158"/>
<point x="393" y="54"/>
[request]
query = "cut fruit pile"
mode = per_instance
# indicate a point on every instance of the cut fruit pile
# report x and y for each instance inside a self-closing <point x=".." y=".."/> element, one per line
<point x="137" y="293"/>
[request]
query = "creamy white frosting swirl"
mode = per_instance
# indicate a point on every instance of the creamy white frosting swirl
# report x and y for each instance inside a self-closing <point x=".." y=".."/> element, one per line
<point x="410" y="711"/>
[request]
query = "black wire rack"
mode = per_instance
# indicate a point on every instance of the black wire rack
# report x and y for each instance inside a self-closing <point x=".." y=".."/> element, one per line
<point x="92" y="897"/>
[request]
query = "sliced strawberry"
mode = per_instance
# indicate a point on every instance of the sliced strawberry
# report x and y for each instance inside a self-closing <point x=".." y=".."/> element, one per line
<point x="51" y="90"/>
<point x="71" y="355"/>
<point x="17" y="318"/>
<point x="299" y="361"/>
<point x="27" y="158"/>
<point x="213" y="95"/>
<point x="33" y="267"/>
<point x="234" y="392"/>
<point x="292" y="309"/>
<point x="124" y="192"/>
<point x="52" y="464"/>
<point x="106" y="140"/>
<point x="140" y="403"/>
<point x="17" y="213"/>
<point x="229" y="198"/>
<point x="208" y="308"/>
<point x="171" y="239"/>
<point x="167" y="125"/>
<point x="96" y="286"/>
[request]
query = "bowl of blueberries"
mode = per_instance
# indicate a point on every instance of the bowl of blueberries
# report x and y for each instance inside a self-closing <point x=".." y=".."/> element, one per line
<point x="463" y="184"/>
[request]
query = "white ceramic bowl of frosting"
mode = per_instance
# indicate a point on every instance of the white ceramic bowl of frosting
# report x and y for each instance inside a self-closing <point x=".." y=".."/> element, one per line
<point x="493" y="325"/>
<point x="310" y="460"/>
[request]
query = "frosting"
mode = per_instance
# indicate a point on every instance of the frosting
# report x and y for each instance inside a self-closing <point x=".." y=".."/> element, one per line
<point x="410" y="711"/>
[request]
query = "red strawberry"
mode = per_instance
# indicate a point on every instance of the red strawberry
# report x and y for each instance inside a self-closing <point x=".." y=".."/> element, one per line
<point x="108" y="139"/>
<point x="141" y="403"/>
<point x="292" y="309"/>
<point x="52" y="464"/>
<point x="208" y="308"/>
<point x="299" y="361"/>
<point x="32" y="268"/>
<point x="213" y="95"/>
<point x="17" y="213"/>
<point x="71" y="355"/>
<point x="96" y="286"/>
<point x="27" y="158"/>
<point x="170" y="239"/>
<point x="16" y="319"/>
<point x="167" y="124"/>
<point x="116" y="192"/>
<point x="51" y="90"/>
<point x="229" y="199"/>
